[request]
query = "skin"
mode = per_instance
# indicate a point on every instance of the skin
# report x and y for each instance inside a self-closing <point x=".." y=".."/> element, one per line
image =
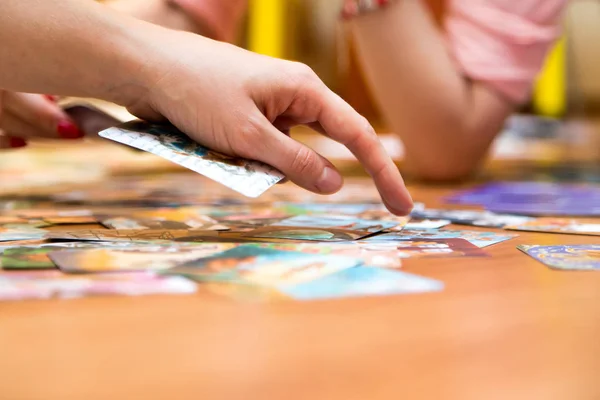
<point x="224" y="97"/>
<point x="446" y="121"/>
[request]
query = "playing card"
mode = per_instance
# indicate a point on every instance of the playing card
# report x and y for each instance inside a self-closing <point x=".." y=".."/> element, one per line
<point x="131" y="258"/>
<point x="337" y="221"/>
<point x="49" y="284"/>
<point x="132" y="235"/>
<point x="198" y="222"/>
<point x="556" y="225"/>
<point x="24" y="233"/>
<point x="478" y="238"/>
<point x="361" y="281"/>
<point x="249" y="178"/>
<point x="409" y="248"/>
<point x="27" y="258"/>
<point x="471" y="217"/>
<point x="426" y="224"/>
<point x="566" y="257"/>
<point x="262" y="266"/>
<point x="304" y="233"/>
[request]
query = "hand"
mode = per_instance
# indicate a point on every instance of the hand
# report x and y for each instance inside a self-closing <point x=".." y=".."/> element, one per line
<point x="24" y="116"/>
<point x="239" y="103"/>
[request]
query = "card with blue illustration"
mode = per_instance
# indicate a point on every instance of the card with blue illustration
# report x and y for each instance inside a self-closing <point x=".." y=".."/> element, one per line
<point x="262" y="266"/>
<point x="566" y="257"/>
<point x="471" y="217"/>
<point x="250" y="178"/>
<point x="361" y="281"/>
<point x="478" y="238"/>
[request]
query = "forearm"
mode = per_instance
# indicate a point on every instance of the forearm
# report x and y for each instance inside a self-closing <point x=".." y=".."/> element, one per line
<point x="445" y="122"/>
<point x="73" y="47"/>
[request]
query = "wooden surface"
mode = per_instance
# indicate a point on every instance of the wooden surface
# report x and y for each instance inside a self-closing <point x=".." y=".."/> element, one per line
<point x="505" y="327"/>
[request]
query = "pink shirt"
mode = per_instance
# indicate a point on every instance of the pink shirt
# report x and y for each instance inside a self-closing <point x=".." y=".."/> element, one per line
<point x="503" y="42"/>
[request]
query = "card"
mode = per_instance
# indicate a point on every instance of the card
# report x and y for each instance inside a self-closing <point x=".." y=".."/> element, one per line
<point x="478" y="238"/>
<point x="565" y="257"/>
<point x="20" y="258"/>
<point x="7" y="234"/>
<point x="407" y="248"/>
<point x="42" y="285"/>
<point x="132" y="235"/>
<point x="471" y="217"/>
<point x="556" y="225"/>
<point x="131" y="258"/>
<point x="534" y="198"/>
<point x="426" y="224"/>
<point x="249" y="178"/>
<point x="303" y="233"/>
<point x="70" y="220"/>
<point x="337" y="221"/>
<point x="262" y="266"/>
<point x="198" y="222"/>
<point x="361" y="281"/>
<point x="365" y="252"/>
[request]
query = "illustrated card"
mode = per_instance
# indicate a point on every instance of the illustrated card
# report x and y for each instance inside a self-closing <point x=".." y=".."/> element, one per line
<point x="263" y="266"/>
<point x="249" y="178"/>
<point x="566" y="257"/>
<point x="198" y="222"/>
<point x="131" y="258"/>
<point x="133" y="235"/>
<point x="557" y="225"/>
<point x="8" y="234"/>
<point x="426" y="224"/>
<point x="54" y="284"/>
<point x="337" y="221"/>
<point x="361" y="281"/>
<point x="410" y="248"/>
<point x="303" y="233"/>
<point x="478" y="238"/>
<point x="471" y="217"/>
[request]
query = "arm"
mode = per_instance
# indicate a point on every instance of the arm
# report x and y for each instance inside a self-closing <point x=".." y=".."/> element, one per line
<point x="226" y="98"/>
<point x="446" y="122"/>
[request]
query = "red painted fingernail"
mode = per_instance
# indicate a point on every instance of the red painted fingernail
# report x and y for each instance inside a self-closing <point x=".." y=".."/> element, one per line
<point x="68" y="130"/>
<point x="16" y="142"/>
<point x="50" y="97"/>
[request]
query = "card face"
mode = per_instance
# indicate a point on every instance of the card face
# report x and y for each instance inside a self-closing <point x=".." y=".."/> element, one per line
<point x="204" y="223"/>
<point x="303" y="233"/>
<point x="54" y="284"/>
<point x="131" y="258"/>
<point x="250" y="178"/>
<point x="7" y="234"/>
<point x="478" y="238"/>
<point x="70" y="220"/>
<point x="411" y="248"/>
<point x="262" y="266"/>
<point x="556" y="225"/>
<point x="576" y="257"/>
<point x="20" y="258"/>
<point x="338" y="222"/>
<point x="133" y="235"/>
<point x="534" y="198"/>
<point x="361" y="281"/>
<point x="426" y="224"/>
<point x="365" y="252"/>
<point x="471" y="217"/>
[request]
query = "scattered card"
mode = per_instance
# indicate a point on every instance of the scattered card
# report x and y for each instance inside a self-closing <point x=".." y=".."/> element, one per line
<point x="566" y="257"/>
<point x="471" y="217"/>
<point x="337" y="221"/>
<point x="555" y="225"/>
<point x="407" y="248"/>
<point x="478" y="238"/>
<point x="303" y="233"/>
<point x="249" y="178"/>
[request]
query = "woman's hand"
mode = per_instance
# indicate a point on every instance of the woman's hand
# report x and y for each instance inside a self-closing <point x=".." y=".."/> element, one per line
<point x="24" y="116"/>
<point x="239" y="102"/>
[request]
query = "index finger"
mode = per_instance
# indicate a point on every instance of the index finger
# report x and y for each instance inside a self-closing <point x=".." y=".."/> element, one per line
<point x="343" y="124"/>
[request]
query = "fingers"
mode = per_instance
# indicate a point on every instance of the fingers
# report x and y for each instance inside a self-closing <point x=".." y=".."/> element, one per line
<point x="31" y="115"/>
<point x="297" y="162"/>
<point x="321" y="107"/>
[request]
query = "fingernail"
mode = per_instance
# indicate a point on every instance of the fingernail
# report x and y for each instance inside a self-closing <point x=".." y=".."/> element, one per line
<point x="16" y="142"/>
<point x="50" y="97"/>
<point x="68" y="130"/>
<point x="330" y="181"/>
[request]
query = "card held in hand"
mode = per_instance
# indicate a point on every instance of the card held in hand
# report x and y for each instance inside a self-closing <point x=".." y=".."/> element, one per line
<point x="250" y="178"/>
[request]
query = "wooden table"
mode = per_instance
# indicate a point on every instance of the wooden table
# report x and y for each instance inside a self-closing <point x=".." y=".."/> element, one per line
<point x="505" y="327"/>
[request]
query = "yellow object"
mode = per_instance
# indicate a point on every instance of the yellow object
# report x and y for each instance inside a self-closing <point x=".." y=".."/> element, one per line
<point x="549" y="96"/>
<point x="266" y="27"/>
